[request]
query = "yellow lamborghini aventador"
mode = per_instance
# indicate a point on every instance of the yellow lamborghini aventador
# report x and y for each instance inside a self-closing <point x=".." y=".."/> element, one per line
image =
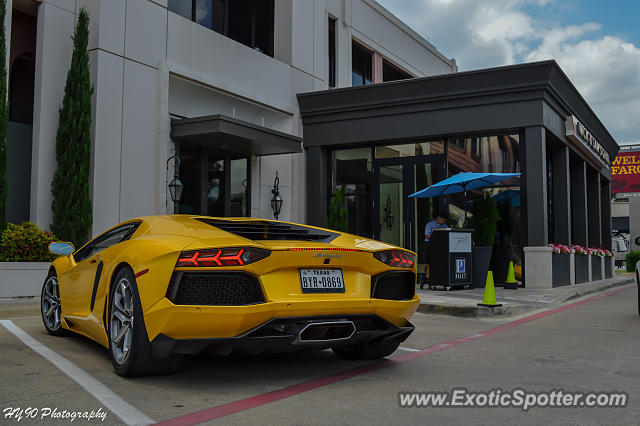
<point x="154" y="289"/>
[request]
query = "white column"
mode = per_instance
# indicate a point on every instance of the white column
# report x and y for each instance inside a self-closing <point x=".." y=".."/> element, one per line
<point x="538" y="267"/>
<point x="53" y="58"/>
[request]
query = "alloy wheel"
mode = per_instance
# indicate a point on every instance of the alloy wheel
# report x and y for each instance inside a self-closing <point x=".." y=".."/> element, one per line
<point x="51" y="304"/>
<point x="121" y="321"/>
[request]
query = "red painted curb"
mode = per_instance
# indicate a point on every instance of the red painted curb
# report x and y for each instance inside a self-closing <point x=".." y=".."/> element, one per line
<point x="255" y="401"/>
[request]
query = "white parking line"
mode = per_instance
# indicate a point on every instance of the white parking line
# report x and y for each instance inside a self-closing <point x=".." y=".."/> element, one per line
<point x="118" y="406"/>
<point x="402" y="348"/>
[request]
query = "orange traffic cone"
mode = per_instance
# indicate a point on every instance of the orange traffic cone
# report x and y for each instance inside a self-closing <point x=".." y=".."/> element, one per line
<point x="489" y="299"/>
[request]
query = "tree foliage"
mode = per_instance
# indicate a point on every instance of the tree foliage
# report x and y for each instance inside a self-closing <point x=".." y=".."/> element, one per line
<point x="4" y="117"/>
<point x="338" y="218"/>
<point x="485" y="219"/>
<point x="72" y="209"/>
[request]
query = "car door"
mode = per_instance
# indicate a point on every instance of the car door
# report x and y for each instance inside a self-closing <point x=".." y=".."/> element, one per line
<point x="80" y="282"/>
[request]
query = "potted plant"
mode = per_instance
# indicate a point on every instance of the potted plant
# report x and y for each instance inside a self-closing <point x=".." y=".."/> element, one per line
<point x="561" y="264"/>
<point x="581" y="261"/>
<point x="484" y="223"/>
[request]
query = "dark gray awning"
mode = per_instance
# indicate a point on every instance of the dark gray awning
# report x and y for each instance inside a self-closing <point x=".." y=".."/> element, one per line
<point x="233" y="136"/>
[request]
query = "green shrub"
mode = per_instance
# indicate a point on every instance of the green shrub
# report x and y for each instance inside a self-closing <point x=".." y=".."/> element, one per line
<point x="632" y="258"/>
<point x="484" y="221"/>
<point x="25" y="243"/>
<point x="338" y="218"/>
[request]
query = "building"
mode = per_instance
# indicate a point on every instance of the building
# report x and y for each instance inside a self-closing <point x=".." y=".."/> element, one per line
<point x="215" y="84"/>
<point x="387" y="141"/>
<point x="320" y="94"/>
<point x="625" y="203"/>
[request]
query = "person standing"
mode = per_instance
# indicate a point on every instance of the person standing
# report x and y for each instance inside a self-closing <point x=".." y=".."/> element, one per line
<point x="439" y="222"/>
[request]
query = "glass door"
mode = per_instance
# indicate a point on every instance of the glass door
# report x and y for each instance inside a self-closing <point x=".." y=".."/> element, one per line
<point x="214" y="184"/>
<point x="398" y="219"/>
<point x="391" y="212"/>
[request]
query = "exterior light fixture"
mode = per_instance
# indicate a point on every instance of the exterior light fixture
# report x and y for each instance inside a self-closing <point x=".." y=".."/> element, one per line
<point x="175" y="186"/>
<point x="276" y="200"/>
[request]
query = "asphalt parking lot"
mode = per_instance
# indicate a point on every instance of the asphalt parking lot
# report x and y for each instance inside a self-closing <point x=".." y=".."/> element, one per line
<point x="588" y="345"/>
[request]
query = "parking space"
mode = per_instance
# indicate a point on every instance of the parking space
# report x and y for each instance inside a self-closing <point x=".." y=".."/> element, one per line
<point x="203" y="382"/>
<point x="241" y="389"/>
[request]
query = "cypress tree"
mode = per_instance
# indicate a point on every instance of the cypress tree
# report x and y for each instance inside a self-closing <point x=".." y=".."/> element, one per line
<point x="72" y="209"/>
<point x="4" y="117"/>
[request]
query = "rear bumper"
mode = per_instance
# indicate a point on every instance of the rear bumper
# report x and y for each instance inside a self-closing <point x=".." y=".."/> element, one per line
<point x="283" y="335"/>
<point x="204" y="322"/>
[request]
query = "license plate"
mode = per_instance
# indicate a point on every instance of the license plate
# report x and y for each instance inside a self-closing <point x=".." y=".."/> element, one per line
<point x="321" y="281"/>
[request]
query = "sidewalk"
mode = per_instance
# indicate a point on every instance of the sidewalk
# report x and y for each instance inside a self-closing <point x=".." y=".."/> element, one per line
<point x="464" y="303"/>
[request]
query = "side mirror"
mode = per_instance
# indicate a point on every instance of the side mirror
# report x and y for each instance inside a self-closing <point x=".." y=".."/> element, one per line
<point x="638" y="241"/>
<point x="61" y="249"/>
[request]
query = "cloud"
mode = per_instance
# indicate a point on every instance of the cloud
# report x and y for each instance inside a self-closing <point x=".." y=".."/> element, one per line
<point x="604" y="68"/>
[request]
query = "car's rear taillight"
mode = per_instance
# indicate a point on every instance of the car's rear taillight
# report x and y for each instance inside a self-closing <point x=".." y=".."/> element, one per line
<point x="236" y="256"/>
<point x="396" y="258"/>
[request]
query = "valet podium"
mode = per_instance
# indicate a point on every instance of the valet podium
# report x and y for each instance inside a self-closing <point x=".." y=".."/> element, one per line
<point x="450" y="258"/>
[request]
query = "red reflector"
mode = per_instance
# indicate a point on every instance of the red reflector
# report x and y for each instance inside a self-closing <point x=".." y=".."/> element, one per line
<point x="141" y="273"/>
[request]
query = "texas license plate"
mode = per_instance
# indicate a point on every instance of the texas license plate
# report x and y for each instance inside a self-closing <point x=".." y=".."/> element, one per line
<point x="321" y="281"/>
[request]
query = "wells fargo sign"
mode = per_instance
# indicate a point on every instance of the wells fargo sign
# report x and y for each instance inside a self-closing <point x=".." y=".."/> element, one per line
<point x="625" y="172"/>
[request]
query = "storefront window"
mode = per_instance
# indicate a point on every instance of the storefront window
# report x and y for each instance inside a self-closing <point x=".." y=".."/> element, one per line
<point x="492" y="154"/>
<point x="351" y="170"/>
<point x="410" y="150"/>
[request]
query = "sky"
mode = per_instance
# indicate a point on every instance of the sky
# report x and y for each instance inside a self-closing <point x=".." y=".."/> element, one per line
<point x="596" y="43"/>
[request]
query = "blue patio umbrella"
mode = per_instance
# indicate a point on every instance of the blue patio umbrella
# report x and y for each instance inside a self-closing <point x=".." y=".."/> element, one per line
<point x="463" y="182"/>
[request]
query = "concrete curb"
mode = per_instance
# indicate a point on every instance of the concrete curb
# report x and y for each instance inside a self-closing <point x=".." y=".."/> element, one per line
<point x="580" y="292"/>
<point x="474" y="311"/>
<point x="517" y="309"/>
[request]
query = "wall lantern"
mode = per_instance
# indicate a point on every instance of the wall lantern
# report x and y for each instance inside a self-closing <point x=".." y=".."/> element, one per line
<point x="175" y="186"/>
<point x="276" y="200"/>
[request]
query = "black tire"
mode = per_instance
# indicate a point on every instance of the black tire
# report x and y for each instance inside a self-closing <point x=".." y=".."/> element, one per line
<point x="138" y="359"/>
<point x="368" y="351"/>
<point x="50" y="303"/>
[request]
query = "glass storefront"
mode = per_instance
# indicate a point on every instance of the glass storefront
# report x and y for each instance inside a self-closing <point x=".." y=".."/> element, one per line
<point x="492" y="154"/>
<point x="377" y="180"/>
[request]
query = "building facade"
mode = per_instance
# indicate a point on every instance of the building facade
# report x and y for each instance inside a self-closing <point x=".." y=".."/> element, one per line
<point x="315" y="95"/>
<point x="385" y="142"/>
<point x="211" y="81"/>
